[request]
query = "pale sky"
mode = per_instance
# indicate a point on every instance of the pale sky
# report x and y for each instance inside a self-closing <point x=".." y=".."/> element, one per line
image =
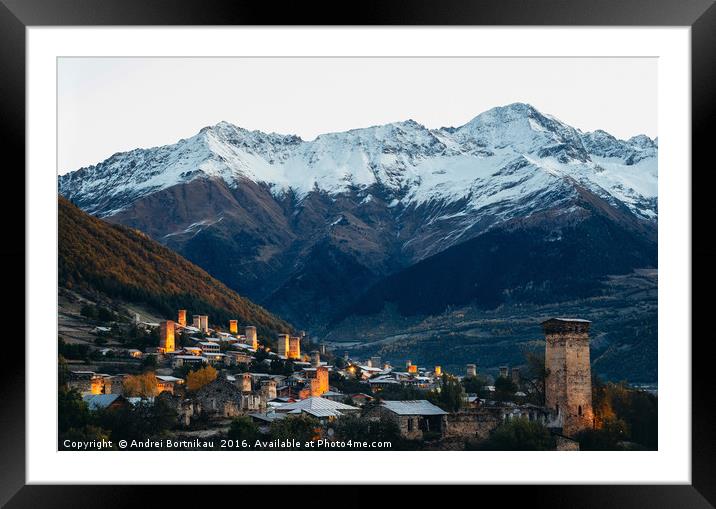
<point x="108" y="105"/>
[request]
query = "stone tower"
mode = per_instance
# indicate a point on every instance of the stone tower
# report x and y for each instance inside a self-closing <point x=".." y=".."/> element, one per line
<point x="268" y="389"/>
<point x="245" y="382"/>
<point x="204" y="323"/>
<point x="251" y="338"/>
<point x="568" y="388"/>
<point x="166" y="336"/>
<point x="318" y="380"/>
<point x="294" y="347"/>
<point x="471" y="370"/>
<point x="233" y="326"/>
<point x="315" y="358"/>
<point x="283" y="346"/>
<point x="181" y="319"/>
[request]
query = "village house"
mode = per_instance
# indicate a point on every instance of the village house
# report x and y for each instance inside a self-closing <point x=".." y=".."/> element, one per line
<point x="215" y="357"/>
<point x="415" y="418"/>
<point x="89" y="382"/>
<point x="192" y="350"/>
<point x="187" y="360"/>
<point x="219" y="398"/>
<point x="134" y="353"/>
<point x="235" y="358"/>
<point x="322" y="409"/>
<point x="361" y="399"/>
<point x="334" y="396"/>
<point x="167" y="383"/>
<point x="479" y="421"/>
<point x="209" y="347"/>
<point x="104" y="401"/>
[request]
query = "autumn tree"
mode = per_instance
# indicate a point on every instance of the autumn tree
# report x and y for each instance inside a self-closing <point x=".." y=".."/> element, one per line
<point x="195" y="380"/>
<point x="143" y="386"/>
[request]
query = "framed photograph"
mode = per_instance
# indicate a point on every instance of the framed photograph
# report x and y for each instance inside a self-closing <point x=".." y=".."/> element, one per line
<point x="446" y="244"/>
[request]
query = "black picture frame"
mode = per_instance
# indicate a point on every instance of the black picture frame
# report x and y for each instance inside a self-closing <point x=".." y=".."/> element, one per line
<point x="17" y="15"/>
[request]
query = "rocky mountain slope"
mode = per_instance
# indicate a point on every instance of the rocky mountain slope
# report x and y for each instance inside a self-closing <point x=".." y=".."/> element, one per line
<point x="307" y="227"/>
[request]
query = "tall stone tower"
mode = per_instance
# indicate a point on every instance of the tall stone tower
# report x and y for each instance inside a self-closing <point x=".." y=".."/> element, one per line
<point x="568" y="388"/>
<point x="294" y="347"/>
<point x="233" y="326"/>
<point x="251" y="338"/>
<point x="318" y="380"/>
<point x="181" y="319"/>
<point x="268" y="389"/>
<point x="204" y="323"/>
<point x="283" y="346"/>
<point x="166" y="336"/>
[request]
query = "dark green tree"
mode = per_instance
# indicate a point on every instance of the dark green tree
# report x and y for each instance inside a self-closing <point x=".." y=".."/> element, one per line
<point x="300" y="427"/>
<point x="244" y="428"/>
<point x="450" y="396"/>
<point x="505" y="389"/>
<point x="519" y="435"/>
<point x="72" y="412"/>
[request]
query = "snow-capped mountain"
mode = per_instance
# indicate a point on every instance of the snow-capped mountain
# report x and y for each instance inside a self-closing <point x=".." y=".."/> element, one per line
<point x="271" y="214"/>
<point x="501" y="155"/>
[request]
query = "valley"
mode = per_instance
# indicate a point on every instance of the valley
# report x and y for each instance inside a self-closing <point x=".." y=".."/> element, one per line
<point x="623" y="345"/>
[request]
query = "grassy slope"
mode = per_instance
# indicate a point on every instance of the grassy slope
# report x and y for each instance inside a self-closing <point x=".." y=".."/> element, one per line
<point x="124" y="263"/>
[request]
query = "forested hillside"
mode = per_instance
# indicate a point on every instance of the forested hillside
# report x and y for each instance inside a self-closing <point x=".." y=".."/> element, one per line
<point x="120" y="262"/>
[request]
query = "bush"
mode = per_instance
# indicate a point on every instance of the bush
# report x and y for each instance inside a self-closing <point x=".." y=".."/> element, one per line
<point x="362" y="430"/>
<point x="606" y="438"/>
<point x="520" y="435"/>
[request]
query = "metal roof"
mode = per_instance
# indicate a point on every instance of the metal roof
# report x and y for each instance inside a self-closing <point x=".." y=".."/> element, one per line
<point x="316" y="403"/>
<point x="580" y="320"/>
<point x="96" y="401"/>
<point x="319" y="413"/>
<point x="413" y="407"/>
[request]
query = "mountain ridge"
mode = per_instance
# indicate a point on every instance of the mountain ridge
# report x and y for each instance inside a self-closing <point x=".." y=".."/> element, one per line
<point x="305" y="227"/>
<point x="362" y="157"/>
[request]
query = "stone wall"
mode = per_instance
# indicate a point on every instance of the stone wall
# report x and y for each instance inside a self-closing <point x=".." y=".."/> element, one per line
<point x="565" y="444"/>
<point x="220" y="398"/>
<point x="474" y="423"/>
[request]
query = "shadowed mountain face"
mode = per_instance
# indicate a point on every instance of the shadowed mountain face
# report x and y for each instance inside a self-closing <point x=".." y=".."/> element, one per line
<point x="514" y="205"/>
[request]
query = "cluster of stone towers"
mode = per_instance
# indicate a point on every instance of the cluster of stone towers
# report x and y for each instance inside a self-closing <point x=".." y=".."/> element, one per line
<point x="289" y="346"/>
